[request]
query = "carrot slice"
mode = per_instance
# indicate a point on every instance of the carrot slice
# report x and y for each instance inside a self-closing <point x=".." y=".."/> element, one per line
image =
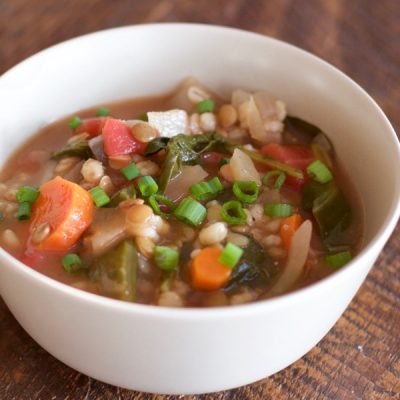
<point x="66" y="208"/>
<point x="207" y="272"/>
<point x="288" y="227"/>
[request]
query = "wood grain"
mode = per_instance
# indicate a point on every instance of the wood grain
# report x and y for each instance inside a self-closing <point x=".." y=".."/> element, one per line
<point x="360" y="357"/>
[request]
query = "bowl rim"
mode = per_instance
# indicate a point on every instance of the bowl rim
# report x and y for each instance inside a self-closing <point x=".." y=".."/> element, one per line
<point x="192" y="313"/>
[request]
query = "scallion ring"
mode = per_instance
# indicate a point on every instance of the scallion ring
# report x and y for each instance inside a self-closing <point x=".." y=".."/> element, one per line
<point x="130" y="172"/>
<point x="156" y="199"/>
<point x="233" y="213"/>
<point x="147" y="186"/>
<point x="230" y="256"/>
<point x="99" y="196"/>
<point x="319" y="172"/>
<point x="72" y="263"/>
<point x="338" y="260"/>
<point x="274" y="179"/>
<point x="166" y="258"/>
<point x="191" y="212"/>
<point x="246" y="192"/>
<point x="278" y="209"/>
<point x="204" y="191"/>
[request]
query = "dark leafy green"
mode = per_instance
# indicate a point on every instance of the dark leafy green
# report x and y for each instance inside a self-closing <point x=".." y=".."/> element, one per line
<point x="115" y="271"/>
<point x="79" y="148"/>
<point x="183" y="150"/>
<point x="255" y="269"/>
<point x="331" y="211"/>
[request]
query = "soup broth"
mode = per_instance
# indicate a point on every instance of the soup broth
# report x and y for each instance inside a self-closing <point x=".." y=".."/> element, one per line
<point x="184" y="200"/>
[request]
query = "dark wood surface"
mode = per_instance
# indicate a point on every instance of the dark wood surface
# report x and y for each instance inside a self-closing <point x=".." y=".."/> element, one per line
<point x="360" y="357"/>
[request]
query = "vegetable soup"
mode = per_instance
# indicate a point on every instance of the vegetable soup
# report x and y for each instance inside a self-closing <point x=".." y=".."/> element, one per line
<point x="182" y="200"/>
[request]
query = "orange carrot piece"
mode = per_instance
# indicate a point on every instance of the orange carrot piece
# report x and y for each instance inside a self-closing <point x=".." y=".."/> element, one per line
<point x="207" y="272"/>
<point x="66" y="208"/>
<point x="288" y="227"/>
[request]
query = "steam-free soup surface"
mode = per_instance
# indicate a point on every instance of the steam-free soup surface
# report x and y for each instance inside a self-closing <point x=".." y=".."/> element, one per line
<point x="183" y="199"/>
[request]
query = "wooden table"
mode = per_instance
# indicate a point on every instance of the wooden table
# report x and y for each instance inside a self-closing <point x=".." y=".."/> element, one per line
<point x="360" y="357"/>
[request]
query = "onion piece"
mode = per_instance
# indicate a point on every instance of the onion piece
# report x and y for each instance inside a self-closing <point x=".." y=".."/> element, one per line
<point x="297" y="257"/>
<point x="169" y="123"/>
<point x="243" y="168"/>
<point x="108" y="228"/>
<point x="179" y="186"/>
<point x="96" y="144"/>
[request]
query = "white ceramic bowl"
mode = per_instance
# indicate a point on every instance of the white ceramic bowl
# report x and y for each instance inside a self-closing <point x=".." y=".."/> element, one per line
<point x="165" y="350"/>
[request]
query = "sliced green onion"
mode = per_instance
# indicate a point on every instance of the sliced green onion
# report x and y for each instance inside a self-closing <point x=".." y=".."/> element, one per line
<point x="190" y="211"/>
<point x="99" y="196"/>
<point x="247" y="192"/>
<point x="143" y="117"/>
<point x="319" y="172"/>
<point x="156" y="199"/>
<point x="205" y="106"/>
<point x="338" y="260"/>
<point x="72" y="263"/>
<point x="274" y="179"/>
<point x="24" y="211"/>
<point x="130" y="172"/>
<point x="28" y="194"/>
<point x="230" y="256"/>
<point x="233" y="213"/>
<point x="1" y="216"/>
<point x="166" y="258"/>
<point x="147" y="186"/>
<point x="74" y="122"/>
<point x="277" y="209"/>
<point x="102" y="112"/>
<point x="204" y="191"/>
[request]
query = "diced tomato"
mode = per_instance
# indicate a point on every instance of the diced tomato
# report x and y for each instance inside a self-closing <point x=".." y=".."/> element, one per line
<point x="92" y="126"/>
<point x="295" y="156"/>
<point x="118" y="139"/>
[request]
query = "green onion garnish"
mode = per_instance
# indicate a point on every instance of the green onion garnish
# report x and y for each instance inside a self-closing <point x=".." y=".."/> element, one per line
<point x="102" y="112"/>
<point x="24" y="211"/>
<point x="147" y="186"/>
<point x="28" y="194"/>
<point x="277" y="209"/>
<point x="156" y="199"/>
<point x="319" y="172"/>
<point x="99" y="196"/>
<point x="72" y="263"/>
<point x="205" y="106"/>
<point x="1" y="216"/>
<point x="143" y="117"/>
<point x="130" y="172"/>
<point x="204" y="191"/>
<point x="74" y="122"/>
<point x="232" y="212"/>
<point x="274" y="179"/>
<point x="247" y="192"/>
<point x="190" y="211"/>
<point x="166" y="258"/>
<point x="230" y="256"/>
<point x="338" y="260"/>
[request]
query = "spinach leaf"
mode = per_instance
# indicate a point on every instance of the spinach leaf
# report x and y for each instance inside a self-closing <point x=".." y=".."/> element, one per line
<point x="184" y="150"/>
<point x="156" y="145"/>
<point x="331" y="211"/>
<point x="80" y="149"/>
<point x="255" y="269"/>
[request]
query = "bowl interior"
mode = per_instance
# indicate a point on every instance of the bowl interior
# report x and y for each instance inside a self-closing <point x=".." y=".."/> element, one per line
<point x="144" y="60"/>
